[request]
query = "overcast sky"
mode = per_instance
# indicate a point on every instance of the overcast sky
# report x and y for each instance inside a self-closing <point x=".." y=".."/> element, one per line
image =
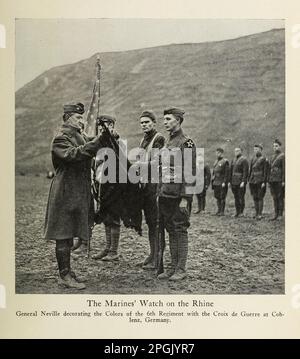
<point x="42" y="44"/>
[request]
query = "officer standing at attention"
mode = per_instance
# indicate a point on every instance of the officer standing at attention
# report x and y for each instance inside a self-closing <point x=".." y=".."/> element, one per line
<point x="152" y="139"/>
<point x="69" y="200"/>
<point x="277" y="179"/>
<point x="220" y="179"/>
<point x="258" y="176"/>
<point x="175" y="192"/>
<point x="238" y="180"/>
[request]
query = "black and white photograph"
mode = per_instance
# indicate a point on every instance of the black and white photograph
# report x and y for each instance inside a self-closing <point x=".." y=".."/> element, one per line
<point x="150" y="156"/>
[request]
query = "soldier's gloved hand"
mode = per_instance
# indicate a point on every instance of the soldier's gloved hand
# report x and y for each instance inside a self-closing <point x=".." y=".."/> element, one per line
<point x="115" y="134"/>
<point x="223" y="184"/>
<point x="242" y="185"/>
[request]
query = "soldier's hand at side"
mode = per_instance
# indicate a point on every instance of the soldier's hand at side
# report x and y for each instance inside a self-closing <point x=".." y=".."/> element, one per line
<point x="263" y="185"/>
<point x="242" y="185"/>
<point x="283" y="184"/>
<point x="223" y="184"/>
<point x="183" y="203"/>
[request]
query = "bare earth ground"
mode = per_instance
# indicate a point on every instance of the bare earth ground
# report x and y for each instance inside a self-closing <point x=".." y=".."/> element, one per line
<point x="226" y="255"/>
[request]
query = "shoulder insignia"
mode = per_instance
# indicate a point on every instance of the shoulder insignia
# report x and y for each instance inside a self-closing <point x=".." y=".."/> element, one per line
<point x="189" y="143"/>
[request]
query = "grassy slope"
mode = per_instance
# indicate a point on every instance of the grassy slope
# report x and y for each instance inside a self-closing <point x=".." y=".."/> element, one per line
<point x="230" y="90"/>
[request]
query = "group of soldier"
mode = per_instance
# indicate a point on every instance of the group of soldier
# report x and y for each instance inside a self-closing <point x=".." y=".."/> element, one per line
<point x="238" y="173"/>
<point x="68" y="214"/>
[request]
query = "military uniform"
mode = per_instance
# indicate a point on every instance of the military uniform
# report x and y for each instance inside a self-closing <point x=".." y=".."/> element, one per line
<point x="258" y="175"/>
<point x="221" y="174"/>
<point x="174" y="217"/>
<point x="201" y="197"/>
<point x="276" y="181"/>
<point x="239" y="174"/>
<point x="69" y="200"/>
<point x="110" y="201"/>
<point x="152" y="139"/>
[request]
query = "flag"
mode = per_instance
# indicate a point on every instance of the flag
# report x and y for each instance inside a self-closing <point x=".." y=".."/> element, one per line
<point x="123" y="200"/>
<point x="94" y="107"/>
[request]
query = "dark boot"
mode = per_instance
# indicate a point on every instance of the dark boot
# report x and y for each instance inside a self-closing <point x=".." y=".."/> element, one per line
<point x="203" y="203"/>
<point x="275" y="201"/>
<point x="115" y="238"/>
<point x="256" y="207"/>
<point x="280" y="207"/>
<point x="63" y="256"/>
<point x="260" y="208"/>
<point x="149" y="262"/>
<point x="198" y="210"/>
<point x="222" y="207"/>
<point x="242" y="205"/>
<point x="219" y="207"/>
<point x="237" y="207"/>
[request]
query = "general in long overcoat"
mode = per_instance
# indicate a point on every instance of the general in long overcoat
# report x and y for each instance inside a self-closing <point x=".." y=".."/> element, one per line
<point x="69" y="201"/>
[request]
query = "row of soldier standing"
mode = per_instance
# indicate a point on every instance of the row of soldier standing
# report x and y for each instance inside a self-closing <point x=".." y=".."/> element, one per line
<point x="258" y="173"/>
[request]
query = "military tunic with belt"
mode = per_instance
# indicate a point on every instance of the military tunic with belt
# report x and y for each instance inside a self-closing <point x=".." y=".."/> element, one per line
<point x="258" y="175"/>
<point x="276" y="181"/>
<point x="239" y="174"/>
<point x="221" y="174"/>
<point x="175" y="218"/>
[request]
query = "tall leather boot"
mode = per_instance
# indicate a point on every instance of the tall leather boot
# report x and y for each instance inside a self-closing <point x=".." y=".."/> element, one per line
<point x="242" y="204"/>
<point x="149" y="262"/>
<point x="237" y="206"/>
<point x="106" y="250"/>
<point x="203" y="203"/>
<point x="275" y="203"/>
<point x="219" y="207"/>
<point x="222" y="206"/>
<point x="256" y="207"/>
<point x="63" y="256"/>
<point x="199" y="204"/>
<point x="115" y="238"/>
<point x="280" y="207"/>
<point x="260" y="208"/>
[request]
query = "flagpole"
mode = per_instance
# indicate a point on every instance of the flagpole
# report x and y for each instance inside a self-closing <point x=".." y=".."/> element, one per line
<point x="98" y="90"/>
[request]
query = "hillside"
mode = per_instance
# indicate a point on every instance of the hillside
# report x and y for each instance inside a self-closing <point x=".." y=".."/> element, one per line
<point x="233" y="92"/>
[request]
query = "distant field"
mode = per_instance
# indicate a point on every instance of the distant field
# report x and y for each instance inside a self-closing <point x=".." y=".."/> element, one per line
<point x="226" y="255"/>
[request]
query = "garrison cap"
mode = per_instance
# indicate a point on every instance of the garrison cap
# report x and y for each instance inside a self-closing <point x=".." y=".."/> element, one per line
<point x="277" y="141"/>
<point x="220" y="149"/>
<point x="177" y="112"/>
<point x="259" y="146"/>
<point x="148" y="114"/>
<point x="74" y="108"/>
<point x="107" y="119"/>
